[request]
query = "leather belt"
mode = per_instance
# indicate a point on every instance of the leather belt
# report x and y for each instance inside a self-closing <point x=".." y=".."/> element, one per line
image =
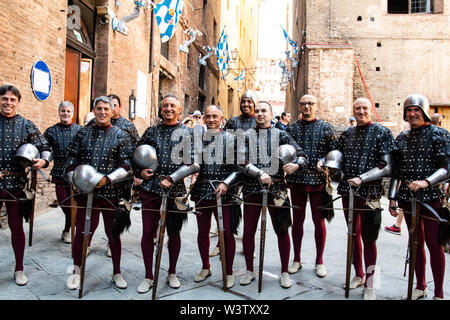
<point x="13" y="173"/>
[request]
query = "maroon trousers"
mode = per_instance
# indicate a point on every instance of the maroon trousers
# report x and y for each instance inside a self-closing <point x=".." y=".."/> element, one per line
<point x="15" y="222"/>
<point x="427" y="233"/>
<point x="108" y="215"/>
<point x="62" y="190"/>
<point x="251" y="218"/>
<point x="150" y="220"/>
<point x="298" y="219"/>
<point x="204" y="225"/>
<point x="370" y="247"/>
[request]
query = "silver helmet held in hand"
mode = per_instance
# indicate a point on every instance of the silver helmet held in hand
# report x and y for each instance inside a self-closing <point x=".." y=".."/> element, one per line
<point x="286" y="153"/>
<point x="417" y="100"/>
<point x="86" y="177"/>
<point x="145" y="157"/>
<point x="25" y="154"/>
<point x="333" y="160"/>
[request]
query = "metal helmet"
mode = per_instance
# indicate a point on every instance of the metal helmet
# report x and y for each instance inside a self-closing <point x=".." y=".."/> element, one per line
<point x="25" y="154"/>
<point x="417" y="100"/>
<point x="145" y="157"/>
<point x="250" y="95"/>
<point x="286" y="153"/>
<point x="333" y="159"/>
<point x="86" y="177"/>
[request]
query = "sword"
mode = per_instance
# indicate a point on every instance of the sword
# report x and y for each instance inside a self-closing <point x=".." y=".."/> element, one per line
<point x="73" y="214"/>
<point x="262" y="243"/>
<point x="162" y="229"/>
<point x="33" y="177"/>
<point x="349" y="241"/>
<point x="221" y="242"/>
<point x="412" y="246"/>
<point x="87" y="227"/>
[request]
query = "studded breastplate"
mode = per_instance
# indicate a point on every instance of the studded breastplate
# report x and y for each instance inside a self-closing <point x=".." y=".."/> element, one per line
<point x="421" y="152"/>
<point x="316" y="138"/>
<point x="241" y="122"/>
<point x="160" y="137"/>
<point x="124" y="124"/>
<point x="273" y="138"/>
<point x="59" y="137"/>
<point x="212" y="157"/>
<point x="362" y="148"/>
<point x="106" y="149"/>
<point x="14" y="132"/>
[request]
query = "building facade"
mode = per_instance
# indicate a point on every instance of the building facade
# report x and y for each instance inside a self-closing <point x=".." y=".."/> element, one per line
<point x="383" y="50"/>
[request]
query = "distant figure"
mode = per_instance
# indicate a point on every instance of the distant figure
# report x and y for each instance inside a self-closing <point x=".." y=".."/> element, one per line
<point x="284" y="120"/>
<point x="88" y="117"/>
<point x="352" y="121"/>
<point x="436" y="119"/>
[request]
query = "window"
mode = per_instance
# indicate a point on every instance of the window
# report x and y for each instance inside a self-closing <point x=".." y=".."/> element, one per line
<point x="415" y="6"/>
<point x="165" y="49"/>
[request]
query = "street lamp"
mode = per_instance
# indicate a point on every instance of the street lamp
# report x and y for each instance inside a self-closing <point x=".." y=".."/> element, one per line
<point x="234" y="54"/>
<point x="132" y="106"/>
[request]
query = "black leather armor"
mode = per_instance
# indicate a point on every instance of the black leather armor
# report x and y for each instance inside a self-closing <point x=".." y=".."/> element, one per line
<point x="241" y="122"/>
<point x="105" y="149"/>
<point x="421" y="152"/>
<point x="160" y="137"/>
<point x="59" y="137"/>
<point x="124" y="124"/>
<point x="316" y="138"/>
<point x="275" y="138"/>
<point x="16" y="131"/>
<point x="363" y="147"/>
<point x="213" y="164"/>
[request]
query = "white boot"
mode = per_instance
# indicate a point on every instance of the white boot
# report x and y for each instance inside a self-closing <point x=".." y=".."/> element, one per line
<point x="230" y="281"/>
<point x="66" y="237"/>
<point x="119" y="281"/>
<point x="173" y="281"/>
<point x="247" y="278"/>
<point x="145" y="286"/>
<point x="204" y="273"/>
<point x="73" y="281"/>
<point x="295" y="267"/>
<point x="321" y="271"/>
<point x="285" y="281"/>
<point x="20" y="278"/>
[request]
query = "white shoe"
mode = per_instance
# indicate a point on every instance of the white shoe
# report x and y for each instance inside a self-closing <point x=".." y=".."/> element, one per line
<point x="108" y="251"/>
<point x="369" y="294"/>
<point x="73" y="281"/>
<point x="173" y="281"/>
<point x="119" y="281"/>
<point x="66" y="237"/>
<point x="204" y="273"/>
<point x="321" y="271"/>
<point x="20" y="278"/>
<point x="437" y="298"/>
<point x="285" y="281"/>
<point x="214" y="252"/>
<point x="418" y="294"/>
<point x="356" y="282"/>
<point x="145" y="285"/>
<point x="230" y="281"/>
<point x="247" y="278"/>
<point x="295" y="267"/>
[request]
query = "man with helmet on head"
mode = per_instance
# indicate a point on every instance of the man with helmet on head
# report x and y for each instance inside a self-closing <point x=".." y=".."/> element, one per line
<point x="17" y="131"/>
<point x="106" y="149"/>
<point x="169" y="175"/>
<point x="421" y="164"/>
<point x="317" y="138"/>
<point x="246" y="119"/>
<point x="366" y="150"/>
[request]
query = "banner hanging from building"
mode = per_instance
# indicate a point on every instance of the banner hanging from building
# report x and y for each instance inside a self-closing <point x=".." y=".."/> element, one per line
<point x="167" y="13"/>
<point x="222" y="53"/>
<point x="289" y="40"/>
<point x="241" y="76"/>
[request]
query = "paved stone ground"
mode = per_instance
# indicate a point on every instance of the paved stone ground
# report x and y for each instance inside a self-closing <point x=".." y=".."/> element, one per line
<point x="47" y="263"/>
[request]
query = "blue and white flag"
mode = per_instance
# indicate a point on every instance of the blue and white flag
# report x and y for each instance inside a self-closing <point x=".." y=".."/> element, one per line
<point x="167" y="13"/>
<point x="223" y="56"/>
<point x="241" y="76"/>
<point x="289" y="40"/>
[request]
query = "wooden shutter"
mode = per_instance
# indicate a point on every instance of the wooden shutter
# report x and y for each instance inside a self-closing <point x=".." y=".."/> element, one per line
<point x="438" y="6"/>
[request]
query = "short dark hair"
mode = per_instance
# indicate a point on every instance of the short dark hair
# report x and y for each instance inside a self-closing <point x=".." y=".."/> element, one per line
<point x="5" y="88"/>
<point x="284" y="114"/>
<point x="114" y="96"/>
<point x="270" y="106"/>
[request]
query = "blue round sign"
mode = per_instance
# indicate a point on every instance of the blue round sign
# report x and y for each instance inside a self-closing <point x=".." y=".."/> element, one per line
<point x="41" y="80"/>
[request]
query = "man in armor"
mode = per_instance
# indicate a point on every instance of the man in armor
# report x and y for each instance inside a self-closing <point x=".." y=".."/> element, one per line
<point x="59" y="137"/>
<point x="217" y="158"/>
<point x="165" y="137"/>
<point x="15" y="131"/>
<point x="246" y="120"/>
<point x="366" y="149"/>
<point x="421" y="164"/>
<point x="108" y="150"/>
<point x="316" y="137"/>
<point x="262" y="170"/>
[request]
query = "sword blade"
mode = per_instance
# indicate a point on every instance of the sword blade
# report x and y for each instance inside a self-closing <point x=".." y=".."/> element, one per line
<point x="412" y="247"/>
<point x="262" y="238"/>
<point x="162" y="228"/>
<point x="349" y="241"/>
<point x="87" y="228"/>
<point x="222" y="242"/>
